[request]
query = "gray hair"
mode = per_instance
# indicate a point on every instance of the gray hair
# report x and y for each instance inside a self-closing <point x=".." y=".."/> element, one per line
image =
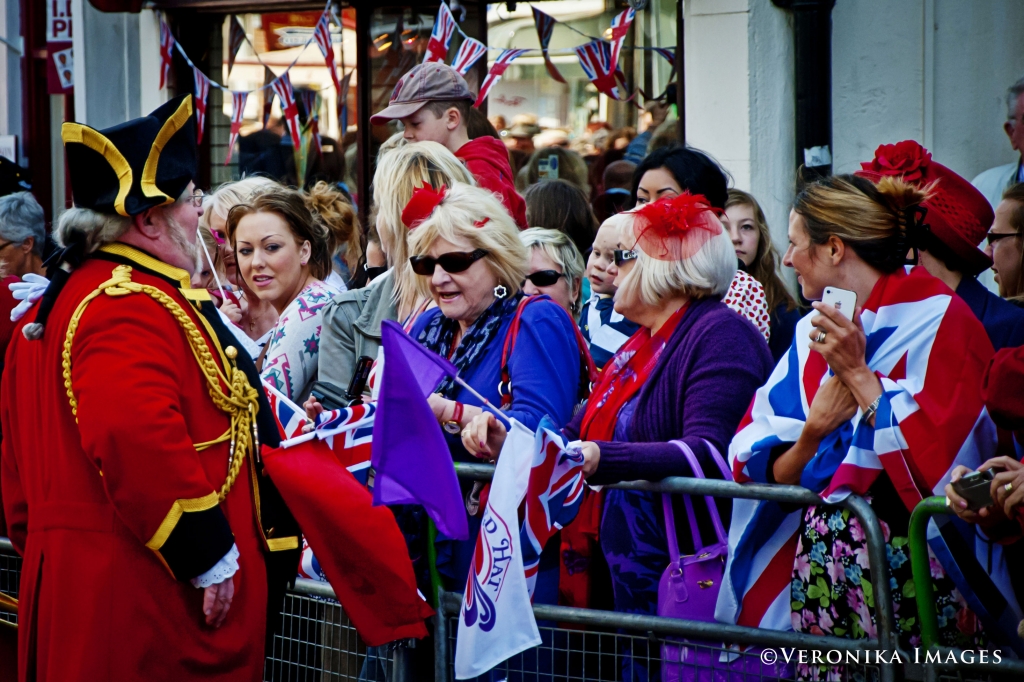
<point x="95" y="229"/>
<point x="559" y="248"/>
<point x="1013" y="93"/>
<point x="22" y="217"/>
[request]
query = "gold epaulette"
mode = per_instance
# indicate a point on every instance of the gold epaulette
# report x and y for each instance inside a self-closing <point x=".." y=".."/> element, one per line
<point x="240" y="402"/>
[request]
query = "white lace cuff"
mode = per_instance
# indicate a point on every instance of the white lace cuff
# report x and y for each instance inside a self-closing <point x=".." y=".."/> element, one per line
<point x="221" y="571"/>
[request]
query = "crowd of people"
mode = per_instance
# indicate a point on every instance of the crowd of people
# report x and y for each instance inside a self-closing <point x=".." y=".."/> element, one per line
<point x="631" y="297"/>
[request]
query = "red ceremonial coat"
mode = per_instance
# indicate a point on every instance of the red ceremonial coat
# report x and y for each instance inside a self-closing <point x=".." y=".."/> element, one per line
<point x="115" y="513"/>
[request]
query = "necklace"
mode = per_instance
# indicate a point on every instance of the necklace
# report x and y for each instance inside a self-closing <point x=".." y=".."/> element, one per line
<point x="252" y="322"/>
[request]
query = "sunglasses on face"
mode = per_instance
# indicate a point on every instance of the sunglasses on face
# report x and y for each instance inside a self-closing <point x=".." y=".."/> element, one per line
<point x="621" y="256"/>
<point x="993" y="237"/>
<point x="544" y="278"/>
<point x="452" y="262"/>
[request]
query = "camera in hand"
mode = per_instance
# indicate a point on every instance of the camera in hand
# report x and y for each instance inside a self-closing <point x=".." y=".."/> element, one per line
<point x="976" y="488"/>
<point x="333" y="398"/>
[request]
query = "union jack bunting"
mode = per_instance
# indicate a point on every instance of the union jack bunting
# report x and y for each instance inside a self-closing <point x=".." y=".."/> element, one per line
<point x="930" y="418"/>
<point x="237" y="110"/>
<point x="620" y="27"/>
<point x="553" y="495"/>
<point x="441" y="36"/>
<point x="283" y="89"/>
<point x="311" y="105"/>
<point x="202" y="92"/>
<point x="343" y="103"/>
<point x="469" y="54"/>
<point x="596" y="60"/>
<point x="545" y="27"/>
<point x="290" y="417"/>
<point x="166" y="47"/>
<point x="268" y="94"/>
<point x="668" y="53"/>
<point x="494" y="75"/>
<point x="322" y="35"/>
<point x="236" y="36"/>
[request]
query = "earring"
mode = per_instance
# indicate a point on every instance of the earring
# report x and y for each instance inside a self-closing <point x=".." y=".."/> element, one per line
<point x="500" y="291"/>
<point x="302" y="262"/>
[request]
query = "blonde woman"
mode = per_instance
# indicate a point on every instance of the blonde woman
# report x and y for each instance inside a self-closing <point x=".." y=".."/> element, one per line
<point x="556" y="268"/>
<point x="339" y="216"/>
<point x="352" y="319"/>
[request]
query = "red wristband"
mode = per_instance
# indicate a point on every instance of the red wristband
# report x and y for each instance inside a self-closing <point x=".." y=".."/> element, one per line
<point x="457" y="413"/>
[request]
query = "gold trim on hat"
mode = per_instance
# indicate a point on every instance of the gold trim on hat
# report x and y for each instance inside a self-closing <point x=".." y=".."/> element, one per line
<point x="171" y="126"/>
<point x="93" y="139"/>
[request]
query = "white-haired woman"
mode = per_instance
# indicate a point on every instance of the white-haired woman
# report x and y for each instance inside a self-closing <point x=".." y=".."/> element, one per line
<point x="255" y="317"/>
<point x="670" y="384"/>
<point x="352" y="319"/>
<point x="556" y="268"/>
<point x="466" y="249"/>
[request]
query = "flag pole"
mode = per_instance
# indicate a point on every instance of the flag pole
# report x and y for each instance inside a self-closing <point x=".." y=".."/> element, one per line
<point x="209" y="259"/>
<point x="486" y="403"/>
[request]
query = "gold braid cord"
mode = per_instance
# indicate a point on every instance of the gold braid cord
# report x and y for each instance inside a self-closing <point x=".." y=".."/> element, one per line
<point x="240" y="403"/>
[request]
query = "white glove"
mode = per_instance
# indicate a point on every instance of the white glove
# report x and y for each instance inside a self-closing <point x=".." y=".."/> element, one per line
<point x="29" y="290"/>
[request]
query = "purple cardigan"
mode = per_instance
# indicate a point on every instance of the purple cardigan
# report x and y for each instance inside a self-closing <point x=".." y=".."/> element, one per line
<point x="700" y="389"/>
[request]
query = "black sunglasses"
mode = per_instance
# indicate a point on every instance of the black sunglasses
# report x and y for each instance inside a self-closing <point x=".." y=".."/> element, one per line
<point x="452" y="262"/>
<point x="544" y="278"/>
<point x="993" y="237"/>
<point x="621" y="256"/>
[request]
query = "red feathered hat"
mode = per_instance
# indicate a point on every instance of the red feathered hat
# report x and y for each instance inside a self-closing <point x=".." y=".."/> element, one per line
<point x="422" y="204"/>
<point x="958" y="214"/>
<point x="675" y="228"/>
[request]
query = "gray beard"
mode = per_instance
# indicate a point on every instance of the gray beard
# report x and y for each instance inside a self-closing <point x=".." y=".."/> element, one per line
<point x="180" y="240"/>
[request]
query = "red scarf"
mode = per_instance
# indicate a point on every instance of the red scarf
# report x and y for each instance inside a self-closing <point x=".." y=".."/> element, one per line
<point x="623" y="377"/>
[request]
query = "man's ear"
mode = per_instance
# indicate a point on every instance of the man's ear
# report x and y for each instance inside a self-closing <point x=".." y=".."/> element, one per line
<point x="454" y="117"/>
<point x="28" y="244"/>
<point x="145" y="225"/>
<point x="1008" y="127"/>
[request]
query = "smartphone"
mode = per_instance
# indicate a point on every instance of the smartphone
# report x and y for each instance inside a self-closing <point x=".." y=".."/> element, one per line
<point x="976" y="488"/>
<point x="844" y="301"/>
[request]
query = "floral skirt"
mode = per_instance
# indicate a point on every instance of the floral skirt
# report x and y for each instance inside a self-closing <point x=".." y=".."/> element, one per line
<point x="832" y="591"/>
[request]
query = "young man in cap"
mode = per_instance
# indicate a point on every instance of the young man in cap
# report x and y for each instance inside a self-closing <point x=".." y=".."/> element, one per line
<point x="129" y="471"/>
<point x="432" y="101"/>
<point x="957" y="220"/>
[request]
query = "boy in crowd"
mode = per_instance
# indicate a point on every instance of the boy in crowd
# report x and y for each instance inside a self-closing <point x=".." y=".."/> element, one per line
<point x="603" y="328"/>
<point x="432" y="101"/>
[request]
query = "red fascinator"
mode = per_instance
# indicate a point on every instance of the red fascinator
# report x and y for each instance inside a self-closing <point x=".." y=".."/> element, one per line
<point x="676" y="228"/>
<point x="422" y="204"/>
<point x="907" y="159"/>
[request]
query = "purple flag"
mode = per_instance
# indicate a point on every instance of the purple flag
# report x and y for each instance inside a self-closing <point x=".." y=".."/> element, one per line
<point x="410" y="456"/>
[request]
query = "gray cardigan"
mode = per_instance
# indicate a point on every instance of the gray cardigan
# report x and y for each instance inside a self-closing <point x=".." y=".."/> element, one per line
<point x="351" y="328"/>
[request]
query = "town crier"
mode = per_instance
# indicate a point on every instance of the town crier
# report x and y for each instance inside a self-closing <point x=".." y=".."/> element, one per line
<point x="130" y="474"/>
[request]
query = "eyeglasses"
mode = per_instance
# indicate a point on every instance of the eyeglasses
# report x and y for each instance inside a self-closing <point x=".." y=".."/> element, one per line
<point x="452" y="262"/>
<point x="197" y="198"/>
<point x="993" y="237"/>
<point x="545" y="278"/>
<point x="621" y="256"/>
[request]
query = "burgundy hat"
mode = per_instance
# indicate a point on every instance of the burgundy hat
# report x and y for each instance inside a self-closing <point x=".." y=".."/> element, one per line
<point x="958" y="214"/>
<point x="427" y="82"/>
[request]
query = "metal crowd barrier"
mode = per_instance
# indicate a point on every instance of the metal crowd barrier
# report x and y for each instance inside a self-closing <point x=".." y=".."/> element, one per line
<point x="316" y="641"/>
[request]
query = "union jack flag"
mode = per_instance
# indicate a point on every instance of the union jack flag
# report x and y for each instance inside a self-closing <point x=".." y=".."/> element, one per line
<point x="441" y="35"/>
<point x="202" y="92"/>
<point x="349" y="433"/>
<point x="237" y="111"/>
<point x="166" y="46"/>
<point x="310" y="104"/>
<point x="545" y="27"/>
<point x="236" y="36"/>
<point x="322" y="35"/>
<point x="930" y="418"/>
<point x="494" y="75"/>
<point x="343" y="103"/>
<point x="283" y="89"/>
<point x="553" y="495"/>
<point x="596" y="60"/>
<point x="620" y="27"/>
<point x="470" y="52"/>
<point x="668" y="53"/>
<point x="290" y="417"/>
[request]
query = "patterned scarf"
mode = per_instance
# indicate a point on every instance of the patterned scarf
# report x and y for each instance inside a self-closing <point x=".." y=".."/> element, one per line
<point x="439" y="334"/>
<point x="623" y="378"/>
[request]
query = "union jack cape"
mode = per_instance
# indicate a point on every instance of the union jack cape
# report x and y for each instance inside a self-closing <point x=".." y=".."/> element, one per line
<point x="930" y="353"/>
<point x="202" y="92"/>
<point x="441" y="35"/>
<point x="469" y="53"/>
<point x="494" y="75"/>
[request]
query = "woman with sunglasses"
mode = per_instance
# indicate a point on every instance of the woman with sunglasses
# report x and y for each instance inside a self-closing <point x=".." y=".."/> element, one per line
<point x="669" y="390"/>
<point x="465" y="249"/>
<point x="556" y="268"/>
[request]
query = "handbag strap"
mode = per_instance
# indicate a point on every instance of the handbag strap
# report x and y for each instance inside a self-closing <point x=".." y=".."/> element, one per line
<point x="716" y="519"/>
<point x="670" y="528"/>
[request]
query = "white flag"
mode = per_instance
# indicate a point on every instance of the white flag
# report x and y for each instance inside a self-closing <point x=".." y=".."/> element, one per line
<point x="496" y="620"/>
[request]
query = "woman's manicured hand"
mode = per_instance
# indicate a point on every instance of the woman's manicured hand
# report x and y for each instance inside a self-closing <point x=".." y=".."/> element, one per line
<point x="484" y="436"/>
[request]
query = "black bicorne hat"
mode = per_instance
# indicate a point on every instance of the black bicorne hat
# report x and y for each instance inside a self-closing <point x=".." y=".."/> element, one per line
<point x="136" y="165"/>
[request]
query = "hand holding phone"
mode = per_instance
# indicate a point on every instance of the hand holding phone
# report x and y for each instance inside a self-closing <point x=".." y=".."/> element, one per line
<point x="843" y="300"/>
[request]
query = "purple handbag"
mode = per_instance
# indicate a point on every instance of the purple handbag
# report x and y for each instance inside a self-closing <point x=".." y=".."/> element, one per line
<point x="689" y="589"/>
